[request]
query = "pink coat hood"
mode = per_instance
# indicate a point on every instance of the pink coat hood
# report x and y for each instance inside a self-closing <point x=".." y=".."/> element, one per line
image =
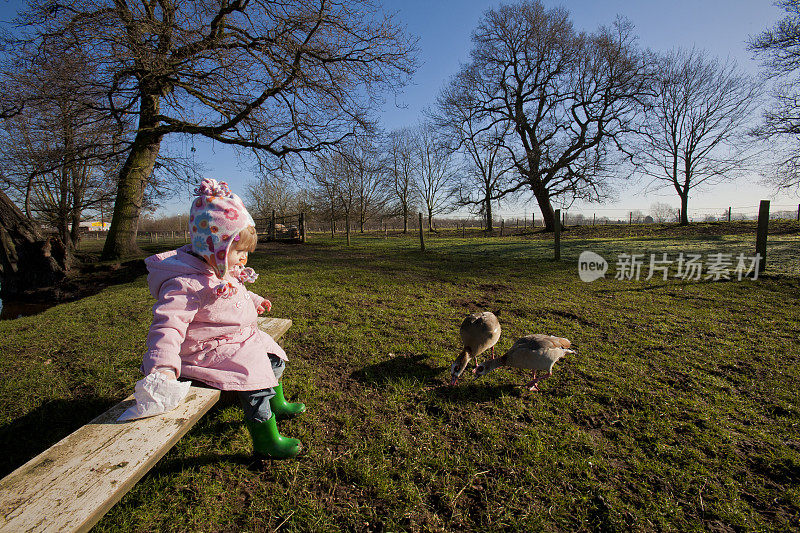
<point x="167" y="265"/>
<point x="201" y="335"/>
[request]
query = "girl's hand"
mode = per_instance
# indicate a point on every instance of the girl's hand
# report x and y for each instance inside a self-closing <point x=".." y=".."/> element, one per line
<point x="266" y="305"/>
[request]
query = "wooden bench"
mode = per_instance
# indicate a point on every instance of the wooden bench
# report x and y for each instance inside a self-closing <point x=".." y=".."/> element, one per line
<point x="71" y="485"/>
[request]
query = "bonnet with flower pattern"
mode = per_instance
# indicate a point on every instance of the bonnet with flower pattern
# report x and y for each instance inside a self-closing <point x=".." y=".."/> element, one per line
<point x="215" y="220"/>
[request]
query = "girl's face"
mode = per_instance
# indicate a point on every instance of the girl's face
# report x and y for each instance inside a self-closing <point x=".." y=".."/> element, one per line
<point x="236" y="257"/>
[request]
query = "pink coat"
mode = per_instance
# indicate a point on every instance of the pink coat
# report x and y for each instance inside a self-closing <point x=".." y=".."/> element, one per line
<point x="201" y="336"/>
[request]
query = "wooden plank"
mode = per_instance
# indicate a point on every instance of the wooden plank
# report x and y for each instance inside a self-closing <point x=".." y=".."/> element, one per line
<point x="276" y="327"/>
<point x="71" y="485"/>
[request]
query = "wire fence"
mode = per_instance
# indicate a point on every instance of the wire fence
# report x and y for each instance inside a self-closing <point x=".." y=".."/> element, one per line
<point x="570" y="217"/>
<point x="292" y="227"/>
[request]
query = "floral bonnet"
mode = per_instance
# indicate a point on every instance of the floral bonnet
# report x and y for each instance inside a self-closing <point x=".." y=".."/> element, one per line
<point x="215" y="220"/>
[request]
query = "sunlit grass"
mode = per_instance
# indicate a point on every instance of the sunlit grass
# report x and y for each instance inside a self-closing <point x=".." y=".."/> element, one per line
<point x="680" y="410"/>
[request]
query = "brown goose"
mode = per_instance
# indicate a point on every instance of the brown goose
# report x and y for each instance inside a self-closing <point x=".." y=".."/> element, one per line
<point x="479" y="332"/>
<point x="535" y="352"/>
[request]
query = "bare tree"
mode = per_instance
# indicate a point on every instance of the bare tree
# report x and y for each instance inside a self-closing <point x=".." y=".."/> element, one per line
<point x="401" y="167"/>
<point x="488" y="173"/>
<point x="370" y="182"/>
<point x="272" y="190"/>
<point x="52" y="172"/>
<point x="324" y="183"/>
<point x="337" y="179"/>
<point x="434" y="168"/>
<point x="636" y="216"/>
<point x="663" y="212"/>
<point x="779" y="48"/>
<point x="485" y="178"/>
<point x="281" y="77"/>
<point x="694" y="132"/>
<point x="346" y="171"/>
<point x="56" y="150"/>
<point x="566" y="98"/>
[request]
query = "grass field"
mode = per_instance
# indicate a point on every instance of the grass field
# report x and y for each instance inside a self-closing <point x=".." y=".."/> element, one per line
<point x="680" y="411"/>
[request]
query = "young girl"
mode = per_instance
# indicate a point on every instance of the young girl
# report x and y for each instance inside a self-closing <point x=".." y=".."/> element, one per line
<point x="204" y="322"/>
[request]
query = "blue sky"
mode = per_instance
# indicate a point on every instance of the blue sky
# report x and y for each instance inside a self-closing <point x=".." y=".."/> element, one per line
<point x="444" y="28"/>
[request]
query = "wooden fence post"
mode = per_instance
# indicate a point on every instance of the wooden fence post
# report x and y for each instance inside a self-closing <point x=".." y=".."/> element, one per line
<point x="729" y="214"/>
<point x="533" y="220"/>
<point x="272" y="227"/>
<point x="798" y="212"/>
<point x="557" y="234"/>
<point x="302" y="227"/>
<point x="347" y="224"/>
<point x="502" y="226"/>
<point x="421" y="234"/>
<point x="761" y="235"/>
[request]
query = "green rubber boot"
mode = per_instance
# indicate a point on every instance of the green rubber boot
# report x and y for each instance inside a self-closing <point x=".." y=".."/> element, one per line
<point x="281" y="407"/>
<point x="268" y="442"/>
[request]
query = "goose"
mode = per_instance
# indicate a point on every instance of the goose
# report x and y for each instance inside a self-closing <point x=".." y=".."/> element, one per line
<point x="535" y="352"/>
<point x="479" y="332"/>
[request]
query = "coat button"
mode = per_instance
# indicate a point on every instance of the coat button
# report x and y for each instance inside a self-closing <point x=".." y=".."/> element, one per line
<point x="238" y="305"/>
<point x="201" y="357"/>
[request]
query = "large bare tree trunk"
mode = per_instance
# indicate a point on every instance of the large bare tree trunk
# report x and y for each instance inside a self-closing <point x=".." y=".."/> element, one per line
<point x="543" y="199"/>
<point x="684" y="204"/>
<point x="75" y="232"/>
<point x="133" y="177"/>
<point x="28" y="258"/>
<point x="487" y="202"/>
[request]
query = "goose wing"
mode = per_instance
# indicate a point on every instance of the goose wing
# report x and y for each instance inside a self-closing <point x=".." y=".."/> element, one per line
<point x="480" y="331"/>
<point x="536" y="352"/>
<point x="546" y="341"/>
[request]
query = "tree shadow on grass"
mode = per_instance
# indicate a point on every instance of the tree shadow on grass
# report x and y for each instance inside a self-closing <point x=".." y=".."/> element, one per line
<point x="397" y="369"/>
<point x="26" y="437"/>
<point x="83" y="281"/>
<point x="180" y="464"/>
<point x="416" y="368"/>
<point x="475" y="392"/>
